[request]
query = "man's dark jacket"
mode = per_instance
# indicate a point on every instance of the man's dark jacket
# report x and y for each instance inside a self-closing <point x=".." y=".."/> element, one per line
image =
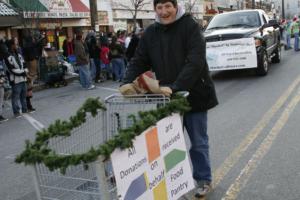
<point x="177" y="54"/>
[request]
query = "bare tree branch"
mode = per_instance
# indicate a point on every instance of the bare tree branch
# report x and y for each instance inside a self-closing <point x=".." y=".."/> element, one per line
<point x="189" y="6"/>
<point x="135" y="7"/>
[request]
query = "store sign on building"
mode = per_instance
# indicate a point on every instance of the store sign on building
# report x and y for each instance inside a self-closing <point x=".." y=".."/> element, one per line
<point x="56" y="15"/>
<point x="120" y="25"/>
<point x="103" y="18"/>
<point x="50" y="25"/>
<point x="60" y="9"/>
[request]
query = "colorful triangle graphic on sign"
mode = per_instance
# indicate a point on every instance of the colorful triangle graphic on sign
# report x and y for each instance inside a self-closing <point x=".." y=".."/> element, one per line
<point x="152" y="145"/>
<point x="136" y="188"/>
<point x="160" y="191"/>
<point x="173" y="158"/>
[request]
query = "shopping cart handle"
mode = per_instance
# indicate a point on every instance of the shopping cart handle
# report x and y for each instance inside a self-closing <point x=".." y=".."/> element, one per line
<point x="183" y="93"/>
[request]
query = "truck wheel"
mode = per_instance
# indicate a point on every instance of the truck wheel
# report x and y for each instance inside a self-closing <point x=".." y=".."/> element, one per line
<point x="262" y="64"/>
<point x="277" y="56"/>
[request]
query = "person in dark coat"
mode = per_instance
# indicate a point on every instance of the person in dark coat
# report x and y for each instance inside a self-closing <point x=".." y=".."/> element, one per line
<point x="32" y="51"/>
<point x="68" y="47"/>
<point x="94" y="52"/>
<point x="174" y="48"/>
<point x="133" y="43"/>
<point x="82" y="61"/>
<point x="116" y="56"/>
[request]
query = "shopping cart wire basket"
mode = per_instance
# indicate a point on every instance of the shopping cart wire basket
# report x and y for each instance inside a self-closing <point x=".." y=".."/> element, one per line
<point x="97" y="182"/>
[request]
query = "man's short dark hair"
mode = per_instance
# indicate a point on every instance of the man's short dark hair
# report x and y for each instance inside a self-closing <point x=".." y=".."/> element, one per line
<point x="155" y="2"/>
<point x="10" y="43"/>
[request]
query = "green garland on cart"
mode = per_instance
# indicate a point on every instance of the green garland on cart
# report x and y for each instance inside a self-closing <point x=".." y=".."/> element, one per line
<point x="38" y="151"/>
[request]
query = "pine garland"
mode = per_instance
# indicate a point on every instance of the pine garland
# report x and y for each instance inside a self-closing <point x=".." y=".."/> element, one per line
<point x="38" y="151"/>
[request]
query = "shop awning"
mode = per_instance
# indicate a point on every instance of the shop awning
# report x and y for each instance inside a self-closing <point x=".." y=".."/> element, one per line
<point x="78" y="6"/>
<point x="29" y="5"/>
<point x="8" y="16"/>
<point x="6" y="10"/>
<point x="52" y="9"/>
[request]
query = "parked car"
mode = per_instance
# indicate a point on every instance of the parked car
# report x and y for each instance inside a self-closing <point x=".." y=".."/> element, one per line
<point x="248" y="24"/>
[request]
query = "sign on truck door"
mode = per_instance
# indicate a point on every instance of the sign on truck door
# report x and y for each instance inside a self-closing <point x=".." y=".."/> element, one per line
<point x="231" y="54"/>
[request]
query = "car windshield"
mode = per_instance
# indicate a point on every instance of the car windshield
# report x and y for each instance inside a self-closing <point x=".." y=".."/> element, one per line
<point x="235" y="19"/>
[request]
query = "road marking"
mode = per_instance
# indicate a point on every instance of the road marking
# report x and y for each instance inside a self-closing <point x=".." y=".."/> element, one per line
<point x="236" y="154"/>
<point x="10" y="157"/>
<point x="36" y="124"/>
<point x="263" y="149"/>
<point x="106" y="88"/>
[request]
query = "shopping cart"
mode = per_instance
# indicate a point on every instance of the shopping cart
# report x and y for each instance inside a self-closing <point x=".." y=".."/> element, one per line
<point x="76" y="183"/>
<point x="120" y="107"/>
<point x="97" y="182"/>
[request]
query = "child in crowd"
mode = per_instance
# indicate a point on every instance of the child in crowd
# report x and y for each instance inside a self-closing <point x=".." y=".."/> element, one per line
<point x="105" y="64"/>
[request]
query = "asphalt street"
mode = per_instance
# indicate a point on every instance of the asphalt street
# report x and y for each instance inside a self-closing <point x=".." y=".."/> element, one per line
<point x="254" y="133"/>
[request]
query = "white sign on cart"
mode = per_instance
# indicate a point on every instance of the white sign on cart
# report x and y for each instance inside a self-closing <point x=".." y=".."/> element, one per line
<point x="157" y="166"/>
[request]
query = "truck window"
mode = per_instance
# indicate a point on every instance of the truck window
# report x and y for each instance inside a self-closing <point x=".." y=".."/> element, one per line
<point x="235" y="19"/>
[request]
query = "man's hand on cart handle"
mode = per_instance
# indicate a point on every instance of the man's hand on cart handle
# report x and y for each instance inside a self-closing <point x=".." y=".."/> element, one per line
<point x="129" y="89"/>
<point x="167" y="91"/>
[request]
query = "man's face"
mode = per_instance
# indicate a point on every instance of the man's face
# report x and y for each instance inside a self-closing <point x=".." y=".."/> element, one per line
<point x="166" y="12"/>
<point x="16" y="42"/>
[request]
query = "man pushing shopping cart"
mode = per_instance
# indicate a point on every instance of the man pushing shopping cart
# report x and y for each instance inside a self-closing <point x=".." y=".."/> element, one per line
<point x="174" y="49"/>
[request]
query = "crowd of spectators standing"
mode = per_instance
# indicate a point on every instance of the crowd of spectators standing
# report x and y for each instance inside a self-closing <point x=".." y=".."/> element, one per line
<point x="290" y="29"/>
<point x="96" y="58"/>
<point x="101" y="57"/>
<point x="19" y="71"/>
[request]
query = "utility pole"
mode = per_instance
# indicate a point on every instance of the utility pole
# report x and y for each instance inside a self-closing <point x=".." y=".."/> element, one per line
<point x="260" y="2"/>
<point x="283" y="6"/>
<point x="93" y="13"/>
<point x="253" y="4"/>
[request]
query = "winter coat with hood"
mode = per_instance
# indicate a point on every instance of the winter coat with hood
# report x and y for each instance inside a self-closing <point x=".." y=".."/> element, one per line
<point x="16" y="67"/>
<point x="177" y="54"/>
